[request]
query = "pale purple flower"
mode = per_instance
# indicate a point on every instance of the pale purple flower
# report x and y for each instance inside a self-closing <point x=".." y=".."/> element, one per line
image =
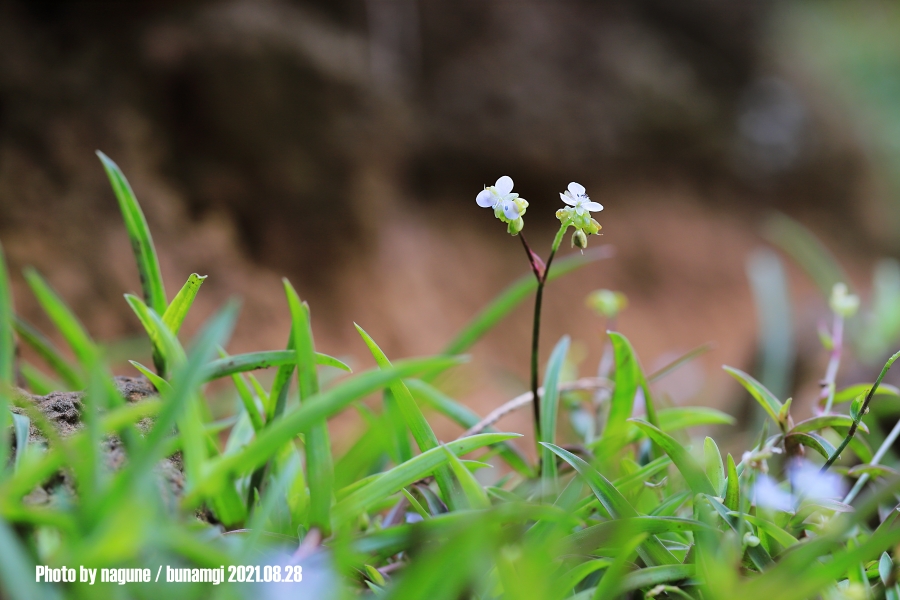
<point x="808" y="483"/>
<point x="500" y="194"/>
<point x="575" y="196"/>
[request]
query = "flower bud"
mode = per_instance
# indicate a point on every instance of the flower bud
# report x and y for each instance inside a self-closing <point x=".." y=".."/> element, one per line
<point x="842" y="302"/>
<point x="579" y="239"/>
<point x="607" y="303"/>
<point x="751" y="540"/>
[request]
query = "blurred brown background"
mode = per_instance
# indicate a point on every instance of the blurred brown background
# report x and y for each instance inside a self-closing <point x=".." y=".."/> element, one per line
<point x="342" y="143"/>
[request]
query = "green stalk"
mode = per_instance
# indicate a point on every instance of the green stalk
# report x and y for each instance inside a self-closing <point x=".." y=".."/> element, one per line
<point x="540" y="273"/>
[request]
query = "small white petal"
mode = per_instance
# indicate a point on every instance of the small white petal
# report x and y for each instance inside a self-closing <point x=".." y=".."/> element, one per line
<point x="510" y="210"/>
<point x="809" y="482"/>
<point x="593" y="206"/>
<point x="576" y="188"/>
<point x="767" y="493"/>
<point x="567" y="199"/>
<point x="504" y="185"/>
<point x="485" y="199"/>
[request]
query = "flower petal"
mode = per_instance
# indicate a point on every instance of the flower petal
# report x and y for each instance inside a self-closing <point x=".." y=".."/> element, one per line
<point x="593" y="206"/>
<point x="504" y="185"/>
<point x="485" y="198"/>
<point x="576" y="189"/>
<point x="567" y="199"/>
<point x="510" y="210"/>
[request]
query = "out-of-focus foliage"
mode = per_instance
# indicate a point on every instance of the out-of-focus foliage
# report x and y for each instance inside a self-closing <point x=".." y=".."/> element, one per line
<point x="624" y="503"/>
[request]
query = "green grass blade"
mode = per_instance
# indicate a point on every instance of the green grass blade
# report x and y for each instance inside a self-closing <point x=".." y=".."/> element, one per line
<point x="823" y="421"/>
<point x="550" y="410"/>
<point x="401" y="476"/>
<point x="733" y="487"/>
<point x="466" y="418"/>
<point x="413" y="417"/>
<point x="608" y="587"/>
<point x="139" y="234"/>
<point x="252" y="361"/>
<point x="7" y="361"/>
<point x="652" y="551"/>
<point x="474" y="494"/>
<point x="66" y="322"/>
<point x="175" y="313"/>
<point x="315" y="410"/>
<point x="319" y="461"/>
<point x="489" y="316"/>
<point x="628" y="378"/>
<point x="17" y="572"/>
<point x="21" y="427"/>
<point x="50" y="354"/>
<point x="157" y="332"/>
<point x="691" y="471"/>
<point x="715" y="469"/>
<point x="764" y="397"/>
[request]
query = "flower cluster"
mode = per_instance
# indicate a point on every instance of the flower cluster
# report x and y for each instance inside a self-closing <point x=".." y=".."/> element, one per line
<point x="578" y="214"/>
<point x="842" y="302"/>
<point x="508" y="207"/>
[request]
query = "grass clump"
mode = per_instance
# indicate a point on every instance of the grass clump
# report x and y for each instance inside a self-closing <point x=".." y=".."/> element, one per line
<point x="628" y="505"/>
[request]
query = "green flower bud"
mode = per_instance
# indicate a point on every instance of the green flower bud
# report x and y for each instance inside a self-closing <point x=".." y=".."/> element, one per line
<point x="607" y="303"/>
<point x="842" y="302"/>
<point x="579" y="239"/>
<point x="751" y="540"/>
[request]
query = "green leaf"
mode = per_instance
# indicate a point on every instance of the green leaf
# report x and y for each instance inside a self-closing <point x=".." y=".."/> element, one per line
<point x="856" y="406"/>
<point x="474" y="494"/>
<point x="166" y="349"/>
<point x="7" y="341"/>
<point x="21" y="427"/>
<point x="549" y="410"/>
<point x="174" y="315"/>
<point x="50" y="354"/>
<point x="17" y="572"/>
<point x="599" y="538"/>
<point x="823" y="421"/>
<point x="608" y="587"/>
<point x="849" y="393"/>
<point x="66" y="322"/>
<point x="399" y="477"/>
<point x="466" y="418"/>
<point x="811" y="440"/>
<point x="489" y="316"/>
<point x="628" y="378"/>
<point x="319" y="461"/>
<point x="715" y="470"/>
<point x="415" y="420"/>
<point x="692" y="472"/>
<point x="733" y="487"/>
<point x="158" y="382"/>
<point x="416" y="506"/>
<point x="652" y="551"/>
<point x="7" y="362"/>
<point x="763" y="396"/>
<point x="139" y="234"/>
<point x="777" y="533"/>
<point x="252" y="361"/>
<point x="314" y="411"/>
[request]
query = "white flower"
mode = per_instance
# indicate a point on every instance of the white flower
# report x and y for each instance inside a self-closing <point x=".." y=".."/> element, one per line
<point x="575" y="196"/>
<point x="508" y="207"/>
<point x="500" y="194"/>
<point x="842" y="301"/>
<point x="808" y="483"/>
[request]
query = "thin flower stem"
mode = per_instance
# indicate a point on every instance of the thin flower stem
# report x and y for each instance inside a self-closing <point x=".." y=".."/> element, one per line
<point x="837" y="343"/>
<point x="882" y="450"/>
<point x="862" y="411"/>
<point x="540" y="273"/>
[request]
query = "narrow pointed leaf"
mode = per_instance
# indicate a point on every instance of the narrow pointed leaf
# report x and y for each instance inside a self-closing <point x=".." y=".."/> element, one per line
<point x="549" y="410"/>
<point x="174" y="315"/>
<point x="715" y="470"/>
<point x="139" y="234"/>
<point x="733" y="487"/>
<point x="691" y="471"/>
<point x="50" y="354"/>
<point x="764" y="397"/>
